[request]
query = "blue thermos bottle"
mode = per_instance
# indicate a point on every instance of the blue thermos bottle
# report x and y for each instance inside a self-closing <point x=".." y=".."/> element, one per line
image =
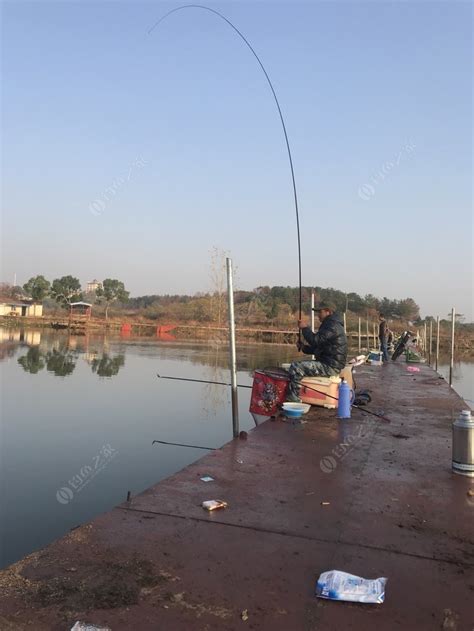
<point x="346" y="397"/>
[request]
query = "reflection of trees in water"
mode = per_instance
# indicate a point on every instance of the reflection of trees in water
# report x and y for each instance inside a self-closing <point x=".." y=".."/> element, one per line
<point x="215" y="396"/>
<point x="107" y="366"/>
<point x="61" y="363"/>
<point x="33" y="361"/>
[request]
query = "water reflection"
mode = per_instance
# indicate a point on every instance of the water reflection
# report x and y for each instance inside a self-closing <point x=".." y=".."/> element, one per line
<point x="63" y="362"/>
<point x="107" y="366"/>
<point x="59" y="351"/>
<point x="463" y="376"/>
<point x="214" y="397"/>
<point x="62" y="349"/>
<point x="33" y="361"/>
<point x="12" y="339"/>
<point x="60" y="363"/>
<point x="50" y="437"/>
<point x="9" y="336"/>
<point x="58" y="354"/>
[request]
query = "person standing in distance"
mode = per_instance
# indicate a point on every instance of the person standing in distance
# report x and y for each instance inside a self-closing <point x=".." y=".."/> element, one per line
<point x="383" y="337"/>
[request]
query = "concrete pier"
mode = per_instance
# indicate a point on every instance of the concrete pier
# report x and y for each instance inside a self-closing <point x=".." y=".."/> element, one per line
<point x="364" y="496"/>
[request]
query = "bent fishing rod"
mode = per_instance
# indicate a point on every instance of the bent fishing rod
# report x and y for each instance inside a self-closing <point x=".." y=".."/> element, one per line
<point x="267" y="77"/>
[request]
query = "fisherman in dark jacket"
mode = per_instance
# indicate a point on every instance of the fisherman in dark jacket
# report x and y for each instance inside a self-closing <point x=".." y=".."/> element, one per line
<point x="328" y="345"/>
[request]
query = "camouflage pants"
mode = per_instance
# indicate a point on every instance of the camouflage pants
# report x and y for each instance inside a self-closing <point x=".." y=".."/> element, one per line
<point x="306" y="368"/>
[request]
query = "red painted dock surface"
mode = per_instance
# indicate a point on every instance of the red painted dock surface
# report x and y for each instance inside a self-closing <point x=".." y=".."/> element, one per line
<point x="364" y="496"/>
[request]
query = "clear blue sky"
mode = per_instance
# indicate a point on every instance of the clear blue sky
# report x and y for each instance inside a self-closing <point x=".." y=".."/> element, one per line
<point x="87" y="92"/>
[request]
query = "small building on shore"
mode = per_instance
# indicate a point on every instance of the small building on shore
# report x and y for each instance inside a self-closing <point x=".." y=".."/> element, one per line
<point x="21" y="309"/>
<point x="80" y="310"/>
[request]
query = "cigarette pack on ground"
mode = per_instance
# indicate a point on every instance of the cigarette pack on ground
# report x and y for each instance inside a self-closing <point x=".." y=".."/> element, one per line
<point x="214" y="504"/>
<point x="336" y="585"/>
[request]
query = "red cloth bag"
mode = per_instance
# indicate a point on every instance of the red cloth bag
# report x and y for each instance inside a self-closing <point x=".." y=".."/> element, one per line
<point x="268" y="392"/>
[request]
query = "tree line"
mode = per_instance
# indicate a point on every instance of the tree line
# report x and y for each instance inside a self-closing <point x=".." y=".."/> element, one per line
<point x="264" y="305"/>
<point x="277" y="305"/>
<point x="66" y="290"/>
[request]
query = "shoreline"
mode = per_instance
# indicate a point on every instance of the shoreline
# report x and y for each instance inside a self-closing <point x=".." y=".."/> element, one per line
<point x="133" y="328"/>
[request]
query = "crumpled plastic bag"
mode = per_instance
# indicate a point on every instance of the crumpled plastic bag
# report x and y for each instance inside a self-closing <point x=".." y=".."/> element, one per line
<point x="336" y="585"/>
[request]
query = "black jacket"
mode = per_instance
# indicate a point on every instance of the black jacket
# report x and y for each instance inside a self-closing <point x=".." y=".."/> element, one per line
<point x="329" y="343"/>
<point x="383" y="330"/>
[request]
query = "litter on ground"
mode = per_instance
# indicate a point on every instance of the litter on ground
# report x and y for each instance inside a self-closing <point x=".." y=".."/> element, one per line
<point x="336" y="585"/>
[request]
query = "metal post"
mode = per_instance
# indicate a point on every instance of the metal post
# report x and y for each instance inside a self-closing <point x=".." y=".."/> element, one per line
<point x="430" y="347"/>
<point x="451" y="364"/>
<point x="345" y="322"/>
<point x="367" y="331"/>
<point x="425" y="346"/>
<point x="233" y="356"/>
<point x="375" y="335"/>
<point x="437" y="343"/>
<point x="360" y="343"/>
<point x="312" y="318"/>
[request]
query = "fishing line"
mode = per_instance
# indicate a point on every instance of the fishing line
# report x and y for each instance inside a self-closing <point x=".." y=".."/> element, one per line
<point x="245" y="40"/>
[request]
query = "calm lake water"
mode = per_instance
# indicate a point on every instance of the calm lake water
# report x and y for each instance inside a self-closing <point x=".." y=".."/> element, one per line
<point x="463" y="377"/>
<point x="79" y="414"/>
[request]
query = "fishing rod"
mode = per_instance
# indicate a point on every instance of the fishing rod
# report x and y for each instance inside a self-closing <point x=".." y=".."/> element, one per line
<point x="380" y="416"/>
<point x="223" y="383"/>
<point x="293" y="180"/>
<point x="214" y="383"/>
<point x="164" y="442"/>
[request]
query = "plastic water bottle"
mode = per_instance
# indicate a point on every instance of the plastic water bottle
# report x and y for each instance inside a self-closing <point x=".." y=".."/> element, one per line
<point x="345" y="399"/>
